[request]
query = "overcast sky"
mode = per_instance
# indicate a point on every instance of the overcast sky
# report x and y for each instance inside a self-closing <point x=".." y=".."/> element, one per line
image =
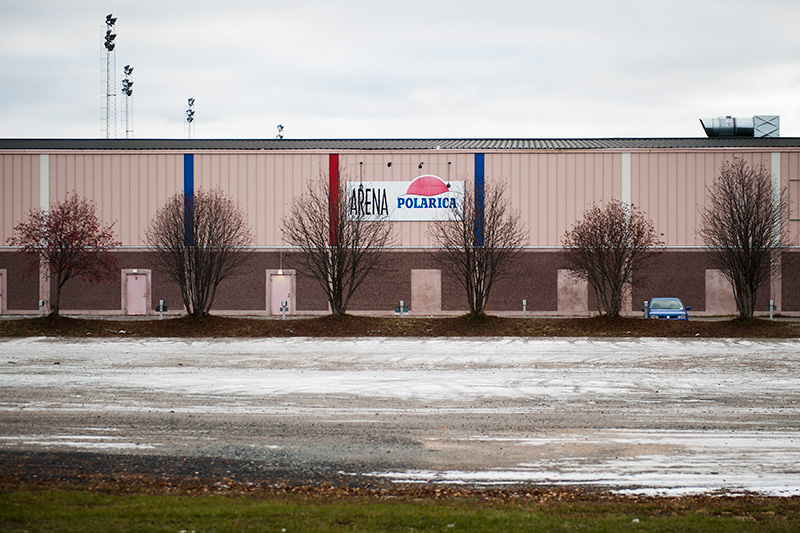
<point x="400" y="69"/>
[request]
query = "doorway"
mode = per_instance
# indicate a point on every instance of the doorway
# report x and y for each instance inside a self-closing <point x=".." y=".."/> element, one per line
<point x="136" y="292"/>
<point x="280" y="291"/>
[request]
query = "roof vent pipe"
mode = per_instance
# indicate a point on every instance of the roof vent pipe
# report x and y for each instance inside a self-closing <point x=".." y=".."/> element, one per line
<point x="757" y="126"/>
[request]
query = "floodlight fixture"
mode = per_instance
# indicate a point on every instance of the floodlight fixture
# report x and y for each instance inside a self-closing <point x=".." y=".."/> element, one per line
<point x="109" y="44"/>
<point x="110" y="78"/>
<point x="127" y="86"/>
<point x="190" y="119"/>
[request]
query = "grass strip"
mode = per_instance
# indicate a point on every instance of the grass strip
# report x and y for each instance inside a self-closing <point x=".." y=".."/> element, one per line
<point x="86" y="510"/>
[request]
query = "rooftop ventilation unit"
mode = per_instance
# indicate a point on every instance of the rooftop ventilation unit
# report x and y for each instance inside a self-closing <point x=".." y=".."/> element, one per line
<point x="757" y="126"/>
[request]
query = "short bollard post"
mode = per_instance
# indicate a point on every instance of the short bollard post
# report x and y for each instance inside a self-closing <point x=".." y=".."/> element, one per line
<point x="772" y="307"/>
<point x="524" y="308"/>
<point x="401" y="309"/>
<point x="41" y="307"/>
<point x="161" y="308"/>
<point x="284" y="309"/>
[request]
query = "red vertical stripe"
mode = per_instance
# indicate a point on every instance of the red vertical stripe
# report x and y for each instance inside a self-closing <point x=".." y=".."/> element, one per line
<point x="333" y="198"/>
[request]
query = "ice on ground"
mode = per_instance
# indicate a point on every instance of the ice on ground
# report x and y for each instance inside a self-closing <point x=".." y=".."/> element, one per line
<point x="674" y="387"/>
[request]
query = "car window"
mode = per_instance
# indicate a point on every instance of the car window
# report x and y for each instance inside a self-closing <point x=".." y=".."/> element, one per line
<point x="666" y="304"/>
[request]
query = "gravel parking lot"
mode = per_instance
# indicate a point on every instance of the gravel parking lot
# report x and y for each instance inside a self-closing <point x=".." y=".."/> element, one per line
<point x="655" y="416"/>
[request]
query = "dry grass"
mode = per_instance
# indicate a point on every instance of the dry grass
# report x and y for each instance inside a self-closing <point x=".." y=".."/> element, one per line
<point x="358" y="326"/>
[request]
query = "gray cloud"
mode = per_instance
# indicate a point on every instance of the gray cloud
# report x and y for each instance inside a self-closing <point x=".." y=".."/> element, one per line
<point x="414" y="69"/>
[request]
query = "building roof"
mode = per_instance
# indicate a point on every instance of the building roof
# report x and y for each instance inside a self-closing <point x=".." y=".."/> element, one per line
<point x="399" y="144"/>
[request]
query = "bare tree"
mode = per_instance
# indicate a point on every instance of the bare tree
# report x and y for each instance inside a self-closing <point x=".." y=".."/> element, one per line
<point x="479" y="244"/>
<point x="200" y="241"/>
<point x="69" y="241"/>
<point x="338" y="246"/>
<point x="606" y="247"/>
<point x="744" y="229"/>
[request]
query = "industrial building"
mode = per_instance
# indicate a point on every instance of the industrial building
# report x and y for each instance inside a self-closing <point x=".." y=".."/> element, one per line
<point x="551" y="182"/>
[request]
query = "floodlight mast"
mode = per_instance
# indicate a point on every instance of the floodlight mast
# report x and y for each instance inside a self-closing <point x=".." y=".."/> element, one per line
<point x="127" y="90"/>
<point x="111" y="78"/>
<point x="190" y="119"/>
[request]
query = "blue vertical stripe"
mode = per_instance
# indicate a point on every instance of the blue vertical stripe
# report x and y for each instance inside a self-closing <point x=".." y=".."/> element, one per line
<point x="188" y="175"/>
<point x="479" y="201"/>
<point x="188" y="198"/>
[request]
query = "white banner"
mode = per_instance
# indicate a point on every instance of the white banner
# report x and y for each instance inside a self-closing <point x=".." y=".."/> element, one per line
<point x="424" y="198"/>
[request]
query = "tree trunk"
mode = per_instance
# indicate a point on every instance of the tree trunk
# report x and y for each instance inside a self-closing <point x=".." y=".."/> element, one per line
<point x="54" y="302"/>
<point x="745" y="302"/>
<point x="55" y="298"/>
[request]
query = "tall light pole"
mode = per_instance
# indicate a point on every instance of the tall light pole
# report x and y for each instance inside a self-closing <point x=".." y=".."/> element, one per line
<point x="190" y="119"/>
<point x="111" y="79"/>
<point x="127" y="90"/>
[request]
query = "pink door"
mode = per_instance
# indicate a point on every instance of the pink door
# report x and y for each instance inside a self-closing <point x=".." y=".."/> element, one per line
<point x="280" y="291"/>
<point x="136" y="294"/>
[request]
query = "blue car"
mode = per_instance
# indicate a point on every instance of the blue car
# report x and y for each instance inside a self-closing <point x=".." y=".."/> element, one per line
<point x="668" y="308"/>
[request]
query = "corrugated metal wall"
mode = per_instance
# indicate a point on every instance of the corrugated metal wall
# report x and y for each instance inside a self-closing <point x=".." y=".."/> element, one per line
<point x="553" y="189"/>
<point x="790" y="169"/>
<point x="127" y="188"/>
<point x="670" y="188"/>
<point x="20" y="189"/>
<point x="550" y="188"/>
<point x="264" y="184"/>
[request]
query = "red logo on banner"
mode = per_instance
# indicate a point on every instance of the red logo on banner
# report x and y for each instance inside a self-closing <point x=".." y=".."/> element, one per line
<point x="427" y="186"/>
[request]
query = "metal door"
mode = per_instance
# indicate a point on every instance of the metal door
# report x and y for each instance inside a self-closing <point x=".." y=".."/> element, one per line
<point x="280" y="291"/>
<point x="136" y="294"/>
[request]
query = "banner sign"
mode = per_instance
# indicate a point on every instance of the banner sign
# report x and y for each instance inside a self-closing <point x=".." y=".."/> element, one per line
<point x="424" y="198"/>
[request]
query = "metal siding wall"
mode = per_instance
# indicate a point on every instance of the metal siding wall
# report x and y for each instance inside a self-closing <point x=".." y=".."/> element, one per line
<point x="790" y="171"/>
<point x="127" y="188"/>
<point x="670" y="188"/>
<point x="553" y="189"/>
<point x="20" y="190"/>
<point x="264" y="184"/>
